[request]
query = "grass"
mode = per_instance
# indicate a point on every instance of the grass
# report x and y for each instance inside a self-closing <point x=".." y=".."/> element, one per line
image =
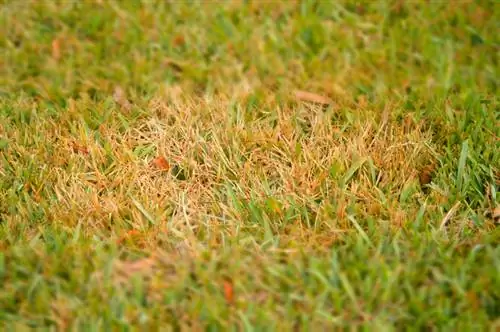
<point x="157" y="169"/>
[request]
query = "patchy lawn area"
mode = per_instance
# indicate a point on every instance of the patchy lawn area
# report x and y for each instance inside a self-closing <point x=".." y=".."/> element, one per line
<point x="249" y="165"/>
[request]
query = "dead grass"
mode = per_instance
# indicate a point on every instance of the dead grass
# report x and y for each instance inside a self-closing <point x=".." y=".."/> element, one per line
<point x="222" y="157"/>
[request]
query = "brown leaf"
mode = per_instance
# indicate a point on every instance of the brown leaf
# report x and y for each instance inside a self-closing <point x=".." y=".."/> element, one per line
<point x="78" y="148"/>
<point x="179" y="40"/>
<point x="56" y="49"/>
<point x="128" y="235"/>
<point x="161" y="163"/>
<point x="121" y="99"/>
<point x="426" y="174"/>
<point x="312" y="97"/>
<point x="360" y="9"/>
<point x="228" y="291"/>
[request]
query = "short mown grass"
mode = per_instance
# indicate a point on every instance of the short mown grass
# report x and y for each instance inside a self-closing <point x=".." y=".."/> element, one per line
<point x="158" y="170"/>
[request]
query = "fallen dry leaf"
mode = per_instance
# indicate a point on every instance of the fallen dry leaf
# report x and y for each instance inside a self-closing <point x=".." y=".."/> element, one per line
<point x="228" y="291"/>
<point x="312" y="97"/>
<point x="121" y="99"/>
<point x="426" y="174"/>
<point x="123" y="270"/>
<point x="78" y="148"/>
<point x="179" y="40"/>
<point x="161" y="163"/>
<point x="127" y="235"/>
<point x="56" y="49"/>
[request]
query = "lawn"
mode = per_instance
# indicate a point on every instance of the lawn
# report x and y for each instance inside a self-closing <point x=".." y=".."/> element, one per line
<point x="249" y="165"/>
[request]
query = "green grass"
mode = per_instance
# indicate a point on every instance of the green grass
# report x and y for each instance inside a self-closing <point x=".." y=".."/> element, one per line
<point x="156" y="168"/>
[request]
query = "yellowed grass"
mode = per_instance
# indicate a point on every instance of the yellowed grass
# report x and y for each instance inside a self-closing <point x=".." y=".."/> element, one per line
<point x="289" y="157"/>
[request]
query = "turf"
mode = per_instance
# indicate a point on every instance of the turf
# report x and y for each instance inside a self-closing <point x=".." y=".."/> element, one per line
<point x="249" y="165"/>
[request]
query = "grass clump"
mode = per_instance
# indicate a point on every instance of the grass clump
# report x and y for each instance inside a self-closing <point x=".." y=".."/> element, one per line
<point x="248" y="165"/>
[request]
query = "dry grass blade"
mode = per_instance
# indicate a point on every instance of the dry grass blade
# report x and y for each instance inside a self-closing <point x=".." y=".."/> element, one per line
<point x="161" y="163"/>
<point x="496" y="215"/>
<point x="449" y="215"/>
<point x="312" y="97"/>
<point x="121" y="99"/>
